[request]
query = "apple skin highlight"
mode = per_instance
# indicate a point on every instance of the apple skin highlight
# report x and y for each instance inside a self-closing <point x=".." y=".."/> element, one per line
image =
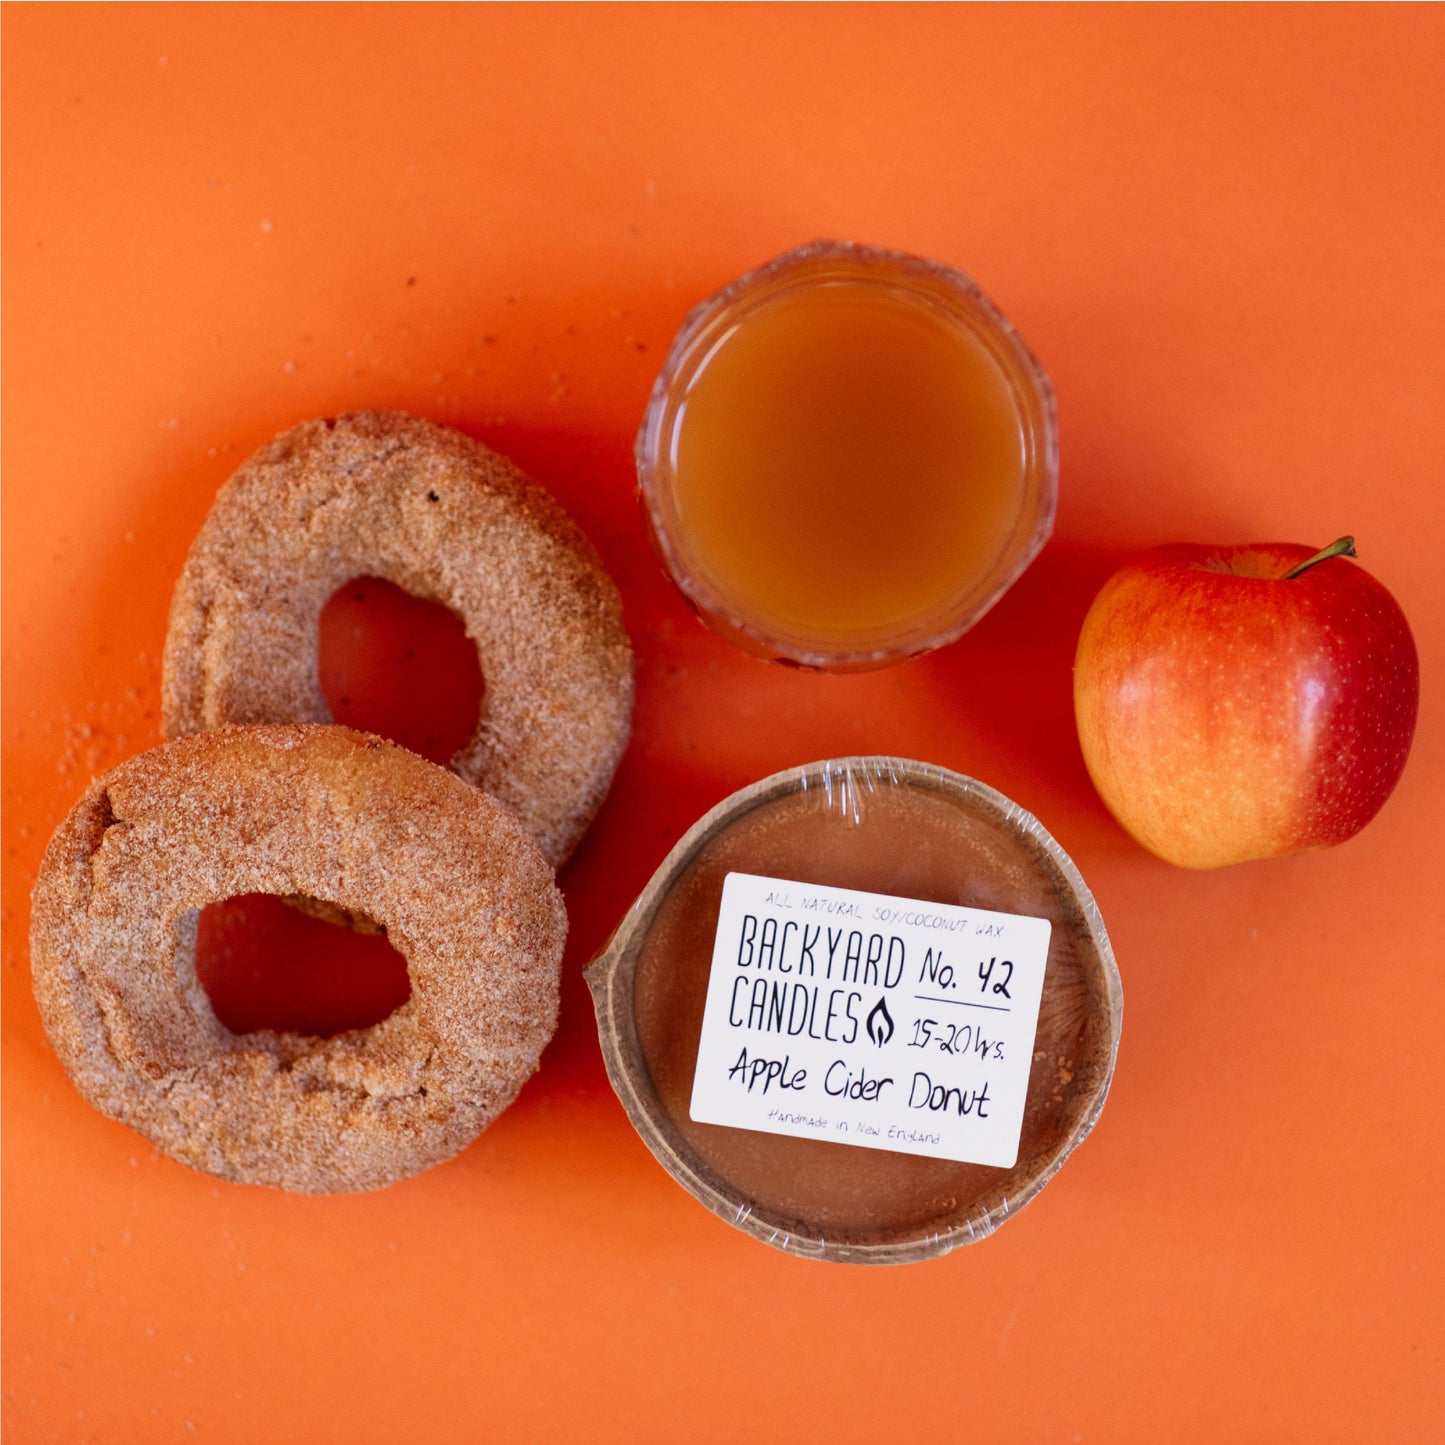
<point x="1228" y="714"/>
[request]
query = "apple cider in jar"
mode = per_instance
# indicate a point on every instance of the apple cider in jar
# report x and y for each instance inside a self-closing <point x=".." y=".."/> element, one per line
<point x="848" y="458"/>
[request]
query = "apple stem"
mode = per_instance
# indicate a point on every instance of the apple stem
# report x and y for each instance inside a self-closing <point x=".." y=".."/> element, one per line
<point x="1343" y="547"/>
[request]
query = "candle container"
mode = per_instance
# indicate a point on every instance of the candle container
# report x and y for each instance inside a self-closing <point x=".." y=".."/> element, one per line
<point x="951" y="854"/>
<point x="848" y="457"/>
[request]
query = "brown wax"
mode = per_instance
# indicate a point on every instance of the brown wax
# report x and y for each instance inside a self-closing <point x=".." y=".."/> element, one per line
<point x="914" y="837"/>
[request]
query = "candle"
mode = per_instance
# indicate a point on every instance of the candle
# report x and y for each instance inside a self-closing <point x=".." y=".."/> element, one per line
<point x="848" y="457"/>
<point x="937" y="869"/>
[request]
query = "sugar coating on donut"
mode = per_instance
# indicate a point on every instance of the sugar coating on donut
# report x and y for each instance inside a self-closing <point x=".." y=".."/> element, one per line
<point x="386" y="495"/>
<point x="325" y="812"/>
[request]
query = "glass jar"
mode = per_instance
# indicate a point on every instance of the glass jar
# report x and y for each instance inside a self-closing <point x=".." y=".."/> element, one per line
<point x="848" y="457"/>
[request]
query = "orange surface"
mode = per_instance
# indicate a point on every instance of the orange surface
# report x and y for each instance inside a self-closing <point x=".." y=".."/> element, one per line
<point x="1220" y="230"/>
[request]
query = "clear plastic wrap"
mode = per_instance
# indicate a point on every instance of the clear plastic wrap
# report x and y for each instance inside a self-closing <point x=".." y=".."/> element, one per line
<point x="889" y="826"/>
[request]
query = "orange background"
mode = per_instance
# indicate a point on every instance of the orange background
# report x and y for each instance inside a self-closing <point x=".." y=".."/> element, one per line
<point x="1221" y="231"/>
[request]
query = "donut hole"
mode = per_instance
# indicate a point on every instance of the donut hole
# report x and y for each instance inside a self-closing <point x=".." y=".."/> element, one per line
<point x="400" y="666"/>
<point x="268" y="965"/>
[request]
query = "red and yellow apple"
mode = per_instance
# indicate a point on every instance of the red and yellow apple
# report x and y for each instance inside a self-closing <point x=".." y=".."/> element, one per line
<point x="1245" y="702"/>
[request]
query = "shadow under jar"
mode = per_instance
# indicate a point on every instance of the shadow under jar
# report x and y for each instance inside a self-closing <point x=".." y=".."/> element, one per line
<point x="885" y="826"/>
<point x="848" y="457"/>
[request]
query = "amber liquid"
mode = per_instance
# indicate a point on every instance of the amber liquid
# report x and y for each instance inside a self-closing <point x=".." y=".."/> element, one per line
<point x="849" y="463"/>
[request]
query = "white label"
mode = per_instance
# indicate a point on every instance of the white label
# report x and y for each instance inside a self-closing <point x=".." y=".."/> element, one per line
<point x="889" y="1023"/>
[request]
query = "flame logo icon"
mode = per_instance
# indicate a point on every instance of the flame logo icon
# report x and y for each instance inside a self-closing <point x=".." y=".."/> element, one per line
<point x="880" y="1023"/>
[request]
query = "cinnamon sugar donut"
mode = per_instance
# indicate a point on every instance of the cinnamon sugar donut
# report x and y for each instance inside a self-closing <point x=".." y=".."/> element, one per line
<point x="336" y="815"/>
<point x="385" y="495"/>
